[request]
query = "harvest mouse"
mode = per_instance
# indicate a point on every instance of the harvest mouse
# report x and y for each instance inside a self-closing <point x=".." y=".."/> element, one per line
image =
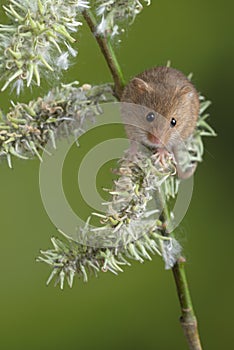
<point x="164" y="112"/>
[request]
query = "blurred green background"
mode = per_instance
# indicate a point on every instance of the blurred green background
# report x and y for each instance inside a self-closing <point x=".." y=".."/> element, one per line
<point x="139" y="308"/>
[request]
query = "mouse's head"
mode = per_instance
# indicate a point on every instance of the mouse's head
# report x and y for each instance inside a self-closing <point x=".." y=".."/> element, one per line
<point x="160" y="115"/>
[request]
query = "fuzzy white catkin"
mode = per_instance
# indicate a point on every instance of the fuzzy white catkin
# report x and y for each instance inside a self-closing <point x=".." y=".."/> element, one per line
<point x="37" y="40"/>
<point x="114" y="13"/>
<point x="134" y="234"/>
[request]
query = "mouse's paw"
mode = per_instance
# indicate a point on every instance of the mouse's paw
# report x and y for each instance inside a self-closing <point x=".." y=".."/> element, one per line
<point x="185" y="174"/>
<point x="163" y="156"/>
<point x="131" y="153"/>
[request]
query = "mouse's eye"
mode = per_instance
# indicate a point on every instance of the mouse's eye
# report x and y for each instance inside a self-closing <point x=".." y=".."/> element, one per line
<point x="173" y="122"/>
<point x="150" y="117"/>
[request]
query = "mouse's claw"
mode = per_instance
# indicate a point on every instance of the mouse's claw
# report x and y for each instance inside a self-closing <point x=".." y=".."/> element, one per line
<point x="162" y="155"/>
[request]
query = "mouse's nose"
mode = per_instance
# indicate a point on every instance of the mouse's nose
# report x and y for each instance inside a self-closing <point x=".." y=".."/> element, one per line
<point x="153" y="139"/>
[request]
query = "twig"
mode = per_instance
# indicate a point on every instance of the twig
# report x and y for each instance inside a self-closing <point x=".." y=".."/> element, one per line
<point x="188" y="319"/>
<point x="108" y="53"/>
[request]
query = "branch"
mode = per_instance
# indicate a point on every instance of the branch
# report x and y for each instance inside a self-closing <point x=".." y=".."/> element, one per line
<point x="108" y="53"/>
<point x="188" y="319"/>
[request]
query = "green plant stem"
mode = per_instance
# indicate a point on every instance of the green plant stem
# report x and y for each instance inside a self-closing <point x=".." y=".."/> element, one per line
<point x="188" y="319"/>
<point x="108" y="53"/>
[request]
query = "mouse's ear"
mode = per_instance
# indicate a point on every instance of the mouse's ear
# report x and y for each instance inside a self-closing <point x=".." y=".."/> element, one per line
<point x="140" y="85"/>
<point x="187" y="90"/>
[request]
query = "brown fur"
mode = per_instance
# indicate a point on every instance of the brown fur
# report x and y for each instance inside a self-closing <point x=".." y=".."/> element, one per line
<point x="169" y="94"/>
